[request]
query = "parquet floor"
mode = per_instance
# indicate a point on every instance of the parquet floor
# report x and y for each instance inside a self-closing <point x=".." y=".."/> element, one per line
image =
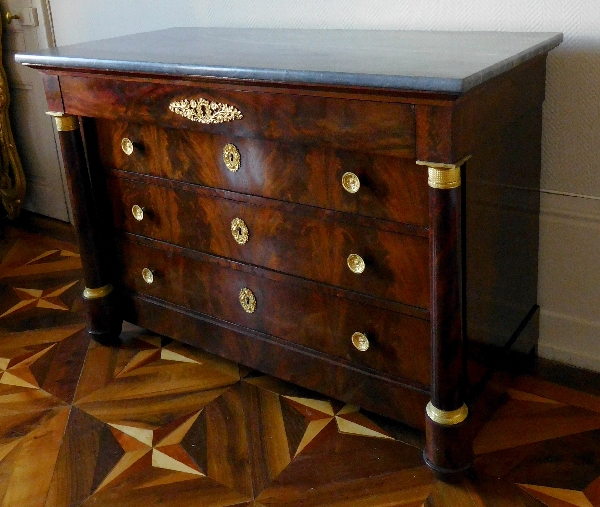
<point x="158" y="423"/>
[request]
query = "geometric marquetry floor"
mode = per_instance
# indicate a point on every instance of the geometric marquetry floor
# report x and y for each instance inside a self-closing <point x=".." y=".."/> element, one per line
<point x="158" y="423"/>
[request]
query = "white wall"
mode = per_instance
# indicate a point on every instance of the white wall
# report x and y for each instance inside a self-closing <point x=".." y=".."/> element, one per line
<point x="569" y="280"/>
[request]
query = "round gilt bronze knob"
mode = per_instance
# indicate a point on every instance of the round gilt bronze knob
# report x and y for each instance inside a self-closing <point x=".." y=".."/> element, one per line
<point x="231" y="157"/>
<point x="239" y="231"/>
<point x="127" y="146"/>
<point x="360" y="342"/>
<point x="148" y="275"/>
<point x="350" y="182"/>
<point x="247" y="300"/>
<point x="356" y="263"/>
<point x="9" y="17"/>
<point x="138" y="212"/>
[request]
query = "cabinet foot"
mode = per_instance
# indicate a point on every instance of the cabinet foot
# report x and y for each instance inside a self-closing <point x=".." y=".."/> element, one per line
<point x="449" y="447"/>
<point x="104" y="322"/>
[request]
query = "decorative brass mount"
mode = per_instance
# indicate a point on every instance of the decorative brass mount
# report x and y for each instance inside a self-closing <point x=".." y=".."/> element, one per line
<point x="443" y="176"/>
<point x="100" y="292"/>
<point x="447" y="417"/>
<point x="247" y="300"/>
<point x="356" y="263"/>
<point x="231" y="157"/>
<point x="239" y="231"/>
<point x="64" y="122"/>
<point x="204" y="111"/>
<point x="350" y="182"/>
<point x="360" y="342"/>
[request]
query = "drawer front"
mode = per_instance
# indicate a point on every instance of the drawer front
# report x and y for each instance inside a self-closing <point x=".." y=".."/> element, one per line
<point x="365" y="125"/>
<point x="391" y="188"/>
<point x="193" y="217"/>
<point x="399" y="344"/>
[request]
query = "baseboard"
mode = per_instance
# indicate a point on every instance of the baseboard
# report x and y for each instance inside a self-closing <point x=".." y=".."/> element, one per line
<point x="569" y="340"/>
<point x="568" y="284"/>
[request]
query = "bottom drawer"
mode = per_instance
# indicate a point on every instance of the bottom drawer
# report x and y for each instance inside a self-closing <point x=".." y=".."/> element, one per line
<point x="372" y="391"/>
<point x="399" y="344"/>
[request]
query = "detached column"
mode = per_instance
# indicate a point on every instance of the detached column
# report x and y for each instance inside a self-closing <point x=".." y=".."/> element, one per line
<point x="103" y="319"/>
<point x="448" y="447"/>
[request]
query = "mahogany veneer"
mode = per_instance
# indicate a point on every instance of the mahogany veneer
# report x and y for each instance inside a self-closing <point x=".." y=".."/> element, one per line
<point x="449" y="284"/>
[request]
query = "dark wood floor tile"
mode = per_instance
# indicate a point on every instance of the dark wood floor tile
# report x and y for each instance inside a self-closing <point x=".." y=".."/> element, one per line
<point x="67" y="362"/>
<point x="556" y="392"/>
<point x="49" y="359"/>
<point x="508" y="429"/>
<point x="303" y="444"/>
<point x="89" y="451"/>
<point x="146" y="490"/>
<point x="260" y="470"/>
<point x="592" y="492"/>
<point x="571" y="462"/>
<point x="406" y="488"/>
<point x="273" y="448"/>
<point x="228" y="461"/>
<point x="479" y="492"/>
<point x="332" y="456"/>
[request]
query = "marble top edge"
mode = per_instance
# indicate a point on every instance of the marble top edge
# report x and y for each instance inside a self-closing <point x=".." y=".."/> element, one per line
<point x="451" y="62"/>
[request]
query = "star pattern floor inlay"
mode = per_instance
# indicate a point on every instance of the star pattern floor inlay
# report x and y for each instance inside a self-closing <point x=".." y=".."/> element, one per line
<point x="155" y="422"/>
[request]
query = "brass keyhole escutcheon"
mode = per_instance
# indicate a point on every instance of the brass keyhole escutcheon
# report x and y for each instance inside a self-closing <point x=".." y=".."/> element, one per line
<point x="356" y="263"/>
<point x="239" y="231"/>
<point x="350" y="182"/>
<point x="127" y="146"/>
<point x="148" y="275"/>
<point x="247" y="300"/>
<point x="360" y="342"/>
<point x="138" y="212"/>
<point x="231" y="157"/>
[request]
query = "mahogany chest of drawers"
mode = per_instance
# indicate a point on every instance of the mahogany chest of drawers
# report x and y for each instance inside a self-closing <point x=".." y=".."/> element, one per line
<point x="355" y="212"/>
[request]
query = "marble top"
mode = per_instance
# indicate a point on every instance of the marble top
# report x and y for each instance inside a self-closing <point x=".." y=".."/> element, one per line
<point x="451" y="62"/>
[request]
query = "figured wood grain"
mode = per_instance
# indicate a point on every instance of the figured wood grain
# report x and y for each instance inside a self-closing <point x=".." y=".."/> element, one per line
<point x="210" y="285"/>
<point x="226" y="429"/>
<point x="377" y="392"/>
<point x="191" y="217"/>
<point x="349" y="124"/>
<point x="392" y="188"/>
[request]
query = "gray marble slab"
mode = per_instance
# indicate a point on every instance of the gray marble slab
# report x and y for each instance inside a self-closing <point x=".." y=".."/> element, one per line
<point x="416" y="60"/>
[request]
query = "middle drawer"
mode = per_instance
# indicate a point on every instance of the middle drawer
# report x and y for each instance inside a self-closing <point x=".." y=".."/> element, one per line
<point x="393" y="265"/>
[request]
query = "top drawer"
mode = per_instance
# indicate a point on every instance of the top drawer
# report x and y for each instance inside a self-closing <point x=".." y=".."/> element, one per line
<point x="365" y="125"/>
<point x="390" y="188"/>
